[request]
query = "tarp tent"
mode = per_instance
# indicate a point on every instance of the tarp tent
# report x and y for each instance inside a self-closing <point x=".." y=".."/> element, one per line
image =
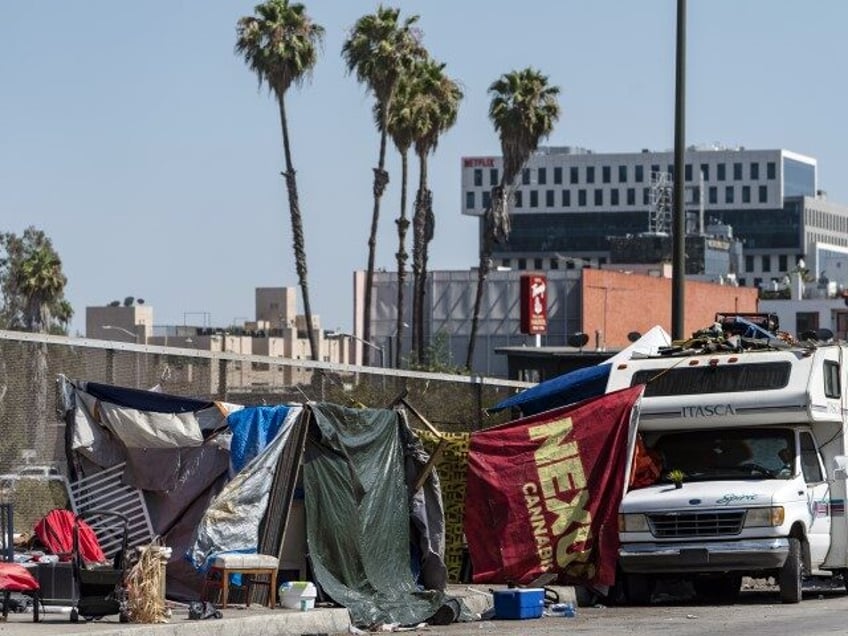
<point x="584" y="383"/>
<point x="219" y="477"/>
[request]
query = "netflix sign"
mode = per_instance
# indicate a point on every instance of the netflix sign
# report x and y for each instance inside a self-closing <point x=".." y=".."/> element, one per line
<point x="534" y="304"/>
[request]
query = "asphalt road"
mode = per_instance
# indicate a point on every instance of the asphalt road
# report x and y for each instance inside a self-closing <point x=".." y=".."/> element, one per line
<point x="756" y="612"/>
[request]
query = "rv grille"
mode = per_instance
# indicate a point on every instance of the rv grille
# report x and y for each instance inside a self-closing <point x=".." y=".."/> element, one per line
<point x="696" y="524"/>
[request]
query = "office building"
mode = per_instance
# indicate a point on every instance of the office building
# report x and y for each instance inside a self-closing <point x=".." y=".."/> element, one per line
<point x="569" y="204"/>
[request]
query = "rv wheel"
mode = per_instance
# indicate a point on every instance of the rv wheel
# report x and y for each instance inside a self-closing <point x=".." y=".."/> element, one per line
<point x="789" y="578"/>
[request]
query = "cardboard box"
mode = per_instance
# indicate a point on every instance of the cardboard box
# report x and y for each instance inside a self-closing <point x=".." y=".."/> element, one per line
<point x="517" y="603"/>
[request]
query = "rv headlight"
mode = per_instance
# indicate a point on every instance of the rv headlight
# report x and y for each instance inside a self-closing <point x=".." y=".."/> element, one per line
<point x="759" y="517"/>
<point x="632" y="523"/>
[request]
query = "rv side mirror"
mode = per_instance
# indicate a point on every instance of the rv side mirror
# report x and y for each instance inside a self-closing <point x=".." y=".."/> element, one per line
<point x="840" y="467"/>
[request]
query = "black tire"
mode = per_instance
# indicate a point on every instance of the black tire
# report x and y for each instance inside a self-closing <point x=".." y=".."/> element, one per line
<point x="789" y="578"/>
<point x="718" y="588"/>
<point x="639" y="588"/>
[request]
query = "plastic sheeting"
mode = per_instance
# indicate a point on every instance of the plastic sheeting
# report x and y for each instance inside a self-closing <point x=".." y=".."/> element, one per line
<point x="252" y="429"/>
<point x="357" y="516"/>
<point x="231" y="522"/>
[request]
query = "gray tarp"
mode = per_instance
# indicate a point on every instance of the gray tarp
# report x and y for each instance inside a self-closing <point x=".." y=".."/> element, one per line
<point x="358" y="516"/>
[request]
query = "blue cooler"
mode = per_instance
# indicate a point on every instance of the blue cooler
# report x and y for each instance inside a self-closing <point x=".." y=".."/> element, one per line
<point x="526" y="602"/>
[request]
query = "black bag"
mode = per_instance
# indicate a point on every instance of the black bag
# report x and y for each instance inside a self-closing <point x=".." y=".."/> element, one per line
<point x="198" y="610"/>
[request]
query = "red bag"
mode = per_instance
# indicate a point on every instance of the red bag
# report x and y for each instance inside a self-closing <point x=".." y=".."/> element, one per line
<point x="56" y="532"/>
<point x="16" y="578"/>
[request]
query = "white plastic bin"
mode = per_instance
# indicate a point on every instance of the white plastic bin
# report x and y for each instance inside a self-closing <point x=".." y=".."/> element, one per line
<point x="298" y="595"/>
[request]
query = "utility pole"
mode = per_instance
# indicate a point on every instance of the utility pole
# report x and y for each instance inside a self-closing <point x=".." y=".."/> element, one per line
<point x="678" y="274"/>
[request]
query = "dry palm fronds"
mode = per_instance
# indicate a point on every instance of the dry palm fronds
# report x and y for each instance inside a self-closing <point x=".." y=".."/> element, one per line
<point x="145" y="601"/>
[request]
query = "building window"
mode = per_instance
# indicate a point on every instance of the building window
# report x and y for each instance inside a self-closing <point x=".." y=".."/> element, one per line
<point x="771" y="170"/>
<point x="687" y="172"/>
<point x="606" y="174"/>
<point x="599" y="196"/>
<point x="763" y="190"/>
<point x="728" y="194"/>
<point x="549" y="198"/>
<point x="670" y="170"/>
<point x="782" y="262"/>
<point x="705" y="171"/>
<point x="590" y="174"/>
<point x="554" y="263"/>
<point x="573" y="175"/>
<point x="543" y="176"/>
<point x="749" y="263"/>
<point x="737" y="171"/>
<point x="655" y="168"/>
<point x="504" y="262"/>
<point x="581" y="197"/>
<point x="640" y="174"/>
<point x="721" y="169"/>
<point x="755" y="171"/>
<point x="646" y="196"/>
<point x="713" y="194"/>
<point x="534" y="198"/>
<point x="537" y="263"/>
<point x="525" y="176"/>
<point x="622" y="174"/>
<point x="566" y="198"/>
<point x="766" y="263"/>
<point x="519" y="202"/>
<point x="746" y="194"/>
<point x="487" y="199"/>
<point x="806" y="321"/>
<point x="696" y="194"/>
<point x="631" y="196"/>
<point x="478" y="176"/>
<point x="522" y="263"/>
<point x="469" y="200"/>
<point x="558" y="175"/>
<point x="493" y="176"/>
<point x="614" y="196"/>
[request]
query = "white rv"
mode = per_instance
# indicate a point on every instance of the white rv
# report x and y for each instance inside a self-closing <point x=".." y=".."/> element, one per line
<point x="756" y="442"/>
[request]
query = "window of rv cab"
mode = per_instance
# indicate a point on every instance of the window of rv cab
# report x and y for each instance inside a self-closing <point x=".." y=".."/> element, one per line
<point x="759" y="376"/>
<point x="831" y="379"/>
<point x="725" y="454"/>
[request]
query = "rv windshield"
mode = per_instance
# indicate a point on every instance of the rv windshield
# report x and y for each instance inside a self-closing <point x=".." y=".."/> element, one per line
<point x="728" y="454"/>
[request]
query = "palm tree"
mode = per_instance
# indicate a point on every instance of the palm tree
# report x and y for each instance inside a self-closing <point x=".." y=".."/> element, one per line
<point x="379" y="50"/>
<point x="436" y="106"/>
<point x="400" y="129"/>
<point x="523" y="110"/>
<point x="33" y="286"/>
<point x="280" y="44"/>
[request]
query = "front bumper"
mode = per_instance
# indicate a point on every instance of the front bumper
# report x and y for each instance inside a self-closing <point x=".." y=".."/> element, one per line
<point x="746" y="555"/>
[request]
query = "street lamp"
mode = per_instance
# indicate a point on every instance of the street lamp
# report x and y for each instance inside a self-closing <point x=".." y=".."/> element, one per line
<point x="134" y="336"/>
<point x="342" y="334"/>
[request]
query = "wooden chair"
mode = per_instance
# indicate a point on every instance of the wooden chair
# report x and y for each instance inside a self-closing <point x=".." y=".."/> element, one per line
<point x="249" y="566"/>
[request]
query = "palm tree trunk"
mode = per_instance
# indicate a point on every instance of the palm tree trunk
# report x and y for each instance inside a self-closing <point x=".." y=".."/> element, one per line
<point x="493" y="218"/>
<point x="381" y="180"/>
<point x="419" y="238"/>
<point x="428" y="227"/>
<point x="297" y="232"/>
<point x="403" y="225"/>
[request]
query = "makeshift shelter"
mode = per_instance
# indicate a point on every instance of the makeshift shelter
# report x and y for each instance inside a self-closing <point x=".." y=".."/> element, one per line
<point x="210" y="478"/>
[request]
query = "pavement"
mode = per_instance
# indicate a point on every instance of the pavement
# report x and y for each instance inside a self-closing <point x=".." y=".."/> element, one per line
<point x="236" y="621"/>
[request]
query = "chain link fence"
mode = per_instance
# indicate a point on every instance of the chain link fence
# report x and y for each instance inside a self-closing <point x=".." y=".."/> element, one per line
<point x="32" y="432"/>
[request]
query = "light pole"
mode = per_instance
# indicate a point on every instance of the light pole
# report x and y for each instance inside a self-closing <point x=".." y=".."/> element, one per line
<point x="134" y="336"/>
<point x="342" y="334"/>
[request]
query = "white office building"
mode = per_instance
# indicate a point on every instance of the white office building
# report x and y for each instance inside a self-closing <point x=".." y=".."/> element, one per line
<point x="569" y="202"/>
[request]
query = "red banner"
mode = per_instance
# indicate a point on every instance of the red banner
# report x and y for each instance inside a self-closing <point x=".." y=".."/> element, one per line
<point x="543" y="492"/>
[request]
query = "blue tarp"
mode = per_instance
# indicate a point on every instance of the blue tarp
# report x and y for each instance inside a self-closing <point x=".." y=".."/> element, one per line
<point x="568" y="388"/>
<point x="253" y="429"/>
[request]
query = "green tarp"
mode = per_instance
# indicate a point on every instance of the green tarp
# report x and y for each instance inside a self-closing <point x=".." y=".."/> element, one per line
<point x="358" y="516"/>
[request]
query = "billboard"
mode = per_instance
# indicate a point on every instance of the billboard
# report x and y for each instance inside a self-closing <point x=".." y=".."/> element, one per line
<point x="534" y="304"/>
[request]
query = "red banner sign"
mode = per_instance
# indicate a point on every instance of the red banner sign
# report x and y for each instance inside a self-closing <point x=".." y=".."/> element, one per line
<point x="534" y="303"/>
<point x="543" y="492"/>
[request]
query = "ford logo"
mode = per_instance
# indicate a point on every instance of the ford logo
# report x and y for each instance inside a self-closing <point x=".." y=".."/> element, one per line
<point x="694" y="502"/>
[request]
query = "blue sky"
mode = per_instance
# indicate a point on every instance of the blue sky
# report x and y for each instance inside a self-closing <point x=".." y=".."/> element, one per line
<point x="134" y="136"/>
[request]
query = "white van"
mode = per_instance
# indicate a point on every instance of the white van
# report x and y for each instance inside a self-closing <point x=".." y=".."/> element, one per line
<point x="756" y="442"/>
